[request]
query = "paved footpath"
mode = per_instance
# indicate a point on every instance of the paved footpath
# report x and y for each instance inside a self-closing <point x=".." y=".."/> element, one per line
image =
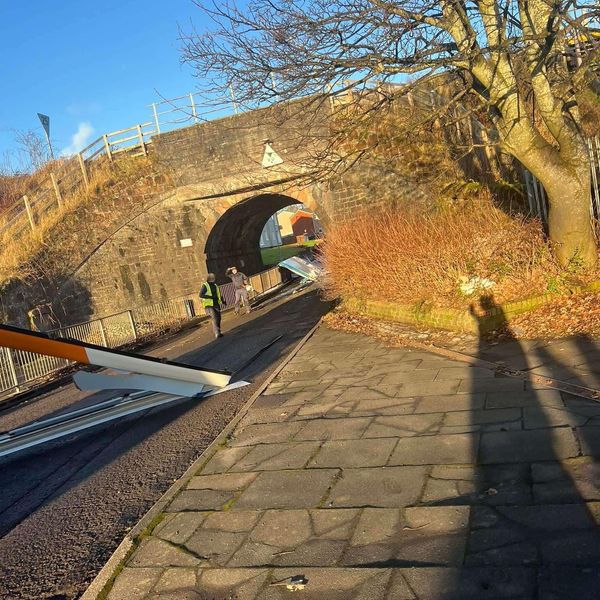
<point x="386" y="473"/>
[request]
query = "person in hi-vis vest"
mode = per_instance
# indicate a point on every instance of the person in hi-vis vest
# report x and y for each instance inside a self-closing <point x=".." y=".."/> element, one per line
<point x="212" y="302"/>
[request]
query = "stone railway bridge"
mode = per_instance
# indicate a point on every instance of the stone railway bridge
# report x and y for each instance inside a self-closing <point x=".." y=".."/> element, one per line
<point x="214" y="214"/>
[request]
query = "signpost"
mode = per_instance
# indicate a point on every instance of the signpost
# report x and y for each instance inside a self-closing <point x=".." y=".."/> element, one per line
<point x="45" y="121"/>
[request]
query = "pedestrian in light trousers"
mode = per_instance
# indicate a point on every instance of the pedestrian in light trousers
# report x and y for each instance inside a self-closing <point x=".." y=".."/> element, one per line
<point x="240" y="281"/>
<point x="210" y="294"/>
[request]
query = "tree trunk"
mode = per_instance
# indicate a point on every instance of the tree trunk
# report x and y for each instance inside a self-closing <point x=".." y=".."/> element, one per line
<point x="569" y="220"/>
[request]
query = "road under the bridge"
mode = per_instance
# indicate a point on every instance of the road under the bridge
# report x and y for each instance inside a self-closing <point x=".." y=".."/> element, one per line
<point x="65" y="506"/>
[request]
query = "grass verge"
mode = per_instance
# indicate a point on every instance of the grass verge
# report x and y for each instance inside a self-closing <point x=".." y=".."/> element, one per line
<point x="271" y="256"/>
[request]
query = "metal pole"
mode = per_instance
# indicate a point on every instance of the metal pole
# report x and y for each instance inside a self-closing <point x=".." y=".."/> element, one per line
<point x="107" y="147"/>
<point x="156" y="123"/>
<point x="102" y="333"/>
<point x="29" y="212"/>
<point x="193" y="105"/>
<point x="56" y="189"/>
<point x="141" y="136"/>
<point x="593" y="203"/>
<point x="132" y="323"/>
<point x="530" y="201"/>
<point x="12" y="368"/>
<point x="83" y="169"/>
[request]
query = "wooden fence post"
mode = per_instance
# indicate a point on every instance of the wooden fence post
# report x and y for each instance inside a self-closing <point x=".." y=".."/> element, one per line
<point x="29" y="212"/>
<point x="57" y="193"/>
<point x="107" y="147"/>
<point x="141" y="136"/>
<point x="83" y="169"/>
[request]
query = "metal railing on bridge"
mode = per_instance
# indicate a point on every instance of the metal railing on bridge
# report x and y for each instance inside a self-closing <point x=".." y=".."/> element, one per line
<point x="21" y="370"/>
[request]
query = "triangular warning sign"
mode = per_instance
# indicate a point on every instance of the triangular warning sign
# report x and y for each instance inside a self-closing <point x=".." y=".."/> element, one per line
<point x="270" y="157"/>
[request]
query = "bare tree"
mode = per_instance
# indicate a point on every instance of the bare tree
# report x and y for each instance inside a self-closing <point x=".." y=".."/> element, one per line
<point x="523" y="59"/>
<point x="33" y="151"/>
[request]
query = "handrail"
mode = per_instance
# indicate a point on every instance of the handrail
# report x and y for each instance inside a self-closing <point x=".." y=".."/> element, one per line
<point x="26" y="208"/>
<point x="108" y="144"/>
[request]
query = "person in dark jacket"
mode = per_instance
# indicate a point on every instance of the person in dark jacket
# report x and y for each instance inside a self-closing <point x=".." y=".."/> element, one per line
<point x="212" y="303"/>
<point x="240" y="283"/>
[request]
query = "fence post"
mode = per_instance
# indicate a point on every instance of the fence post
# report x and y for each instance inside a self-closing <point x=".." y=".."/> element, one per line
<point x="156" y="123"/>
<point x="193" y="105"/>
<point x="83" y="169"/>
<point x="102" y="333"/>
<point x="29" y="212"/>
<point x="141" y="136"/>
<point x="132" y="323"/>
<point x="107" y="147"/>
<point x="233" y="100"/>
<point x="56" y="190"/>
<point x="11" y="368"/>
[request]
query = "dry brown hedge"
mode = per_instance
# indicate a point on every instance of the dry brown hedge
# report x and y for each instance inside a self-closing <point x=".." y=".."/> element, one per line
<point x="409" y="257"/>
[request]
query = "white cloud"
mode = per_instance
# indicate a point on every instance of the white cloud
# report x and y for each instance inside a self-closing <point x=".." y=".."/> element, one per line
<point x="83" y="109"/>
<point x="80" y="139"/>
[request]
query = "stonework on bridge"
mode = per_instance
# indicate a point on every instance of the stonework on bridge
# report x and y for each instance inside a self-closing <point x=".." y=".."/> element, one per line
<point x="212" y="218"/>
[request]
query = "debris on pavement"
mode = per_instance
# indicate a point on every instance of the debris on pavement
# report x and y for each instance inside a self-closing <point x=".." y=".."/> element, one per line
<point x="295" y="583"/>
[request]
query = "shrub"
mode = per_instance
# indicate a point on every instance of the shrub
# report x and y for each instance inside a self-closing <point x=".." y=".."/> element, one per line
<point x="409" y="257"/>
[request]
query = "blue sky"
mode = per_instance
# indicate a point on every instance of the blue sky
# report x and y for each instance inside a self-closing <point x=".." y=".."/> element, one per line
<point x="93" y="67"/>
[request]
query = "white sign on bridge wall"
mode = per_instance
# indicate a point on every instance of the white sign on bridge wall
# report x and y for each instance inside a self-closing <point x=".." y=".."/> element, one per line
<point x="270" y="157"/>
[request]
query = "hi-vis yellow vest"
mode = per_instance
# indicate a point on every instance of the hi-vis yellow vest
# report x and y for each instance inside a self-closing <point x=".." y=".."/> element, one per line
<point x="210" y="301"/>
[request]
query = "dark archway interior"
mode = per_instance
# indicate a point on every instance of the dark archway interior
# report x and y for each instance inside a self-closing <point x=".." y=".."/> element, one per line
<point x="235" y="238"/>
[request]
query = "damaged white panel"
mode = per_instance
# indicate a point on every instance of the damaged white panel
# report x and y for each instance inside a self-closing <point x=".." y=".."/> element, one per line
<point x="307" y="269"/>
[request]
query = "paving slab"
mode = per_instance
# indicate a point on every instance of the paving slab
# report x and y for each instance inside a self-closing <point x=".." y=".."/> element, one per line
<point x="333" y="429"/>
<point x="404" y="425"/>
<point x="178" y="527"/>
<point x="288" y="489"/>
<point x="134" y="583"/>
<point x="390" y="474"/>
<point x="353" y="453"/>
<point x="382" y="407"/>
<point x="436" y="450"/>
<point x="528" y="446"/>
<point x="177" y="581"/>
<point x="264" y="433"/>
<point x="450" y="403"/>
<point x="154" y="552"/>
<point x="383" y="486"/>
<point x="273" y="457"/>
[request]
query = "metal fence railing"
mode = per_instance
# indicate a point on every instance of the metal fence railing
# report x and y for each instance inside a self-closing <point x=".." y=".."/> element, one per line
<point x="20" y="370"/>
<point x="69" y="174"/>
<point x="536" y="194"/>
<point x="75" y="172"/>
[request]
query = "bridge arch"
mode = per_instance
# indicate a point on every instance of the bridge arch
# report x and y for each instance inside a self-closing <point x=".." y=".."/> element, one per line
<point x="235" y="237"/>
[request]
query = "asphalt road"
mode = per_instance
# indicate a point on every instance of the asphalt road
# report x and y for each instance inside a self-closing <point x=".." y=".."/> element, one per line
<point x="66" y="505"/>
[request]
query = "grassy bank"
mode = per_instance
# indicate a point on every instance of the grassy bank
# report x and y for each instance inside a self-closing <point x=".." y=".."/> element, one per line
<point x="271" y="256"/>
